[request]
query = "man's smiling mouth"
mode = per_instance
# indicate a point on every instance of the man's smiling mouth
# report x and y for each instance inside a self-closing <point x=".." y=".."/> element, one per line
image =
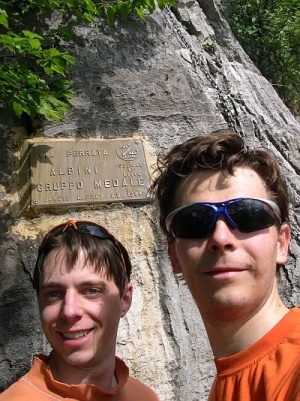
<point x="75" y="335"/>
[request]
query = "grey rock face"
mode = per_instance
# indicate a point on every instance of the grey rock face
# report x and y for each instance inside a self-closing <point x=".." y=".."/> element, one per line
<point x="178" y="75"/>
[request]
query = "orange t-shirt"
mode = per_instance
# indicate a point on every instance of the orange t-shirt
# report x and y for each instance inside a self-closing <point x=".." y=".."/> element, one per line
<point x="268" y="370"/>
<point x="39" y="385"/>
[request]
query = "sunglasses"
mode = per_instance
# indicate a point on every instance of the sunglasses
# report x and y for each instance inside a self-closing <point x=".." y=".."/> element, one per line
<point x="197" y="220"/>
<point x="97" y="231"/>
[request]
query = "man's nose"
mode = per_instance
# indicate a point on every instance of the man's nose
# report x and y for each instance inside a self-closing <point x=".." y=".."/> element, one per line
<point x="222" y="236"/>
<point x="71" y="306"/>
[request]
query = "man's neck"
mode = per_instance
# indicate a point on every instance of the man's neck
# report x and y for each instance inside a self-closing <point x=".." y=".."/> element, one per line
<point x="229" y="337"/>
<point x="102" y="376"/>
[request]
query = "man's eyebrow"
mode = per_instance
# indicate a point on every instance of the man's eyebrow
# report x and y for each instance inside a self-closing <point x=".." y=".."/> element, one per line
<point x="99" y="283"/>
<point x="50" y="284"/>
<point x="55" y="284"/>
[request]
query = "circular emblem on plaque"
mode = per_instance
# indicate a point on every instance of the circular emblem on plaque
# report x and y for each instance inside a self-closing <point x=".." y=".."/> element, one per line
<point x="127" y="152"/>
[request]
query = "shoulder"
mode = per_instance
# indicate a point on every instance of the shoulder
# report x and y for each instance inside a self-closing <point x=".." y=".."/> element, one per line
<point x="138" y="390"/>
<point x="295" y="312"/>
<point x="132" y="389"/>
<point x="292" y="319"/>
<point x="27" y="388"/>
<point x="17" y="391"/>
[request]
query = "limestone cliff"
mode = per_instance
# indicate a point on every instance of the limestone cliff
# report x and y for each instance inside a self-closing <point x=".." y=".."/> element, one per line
<point x="179" y="74"/>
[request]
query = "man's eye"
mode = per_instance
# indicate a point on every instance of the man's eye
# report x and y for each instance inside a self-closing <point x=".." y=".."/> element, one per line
<point x="53" y="294"/>
<point x="92" y="292"/>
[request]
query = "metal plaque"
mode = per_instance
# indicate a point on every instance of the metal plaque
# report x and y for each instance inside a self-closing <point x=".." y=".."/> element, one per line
<point x="86" y="171"/>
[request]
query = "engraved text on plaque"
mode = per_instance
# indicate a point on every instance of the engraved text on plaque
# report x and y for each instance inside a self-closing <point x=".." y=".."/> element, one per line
<point x="88" y="171"/>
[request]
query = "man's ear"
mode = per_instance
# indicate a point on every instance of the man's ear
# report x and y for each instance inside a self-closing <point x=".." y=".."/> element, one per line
<point x="173" y="258"/>
<point x="284" y="238"/>
<point x="126" y="299"/>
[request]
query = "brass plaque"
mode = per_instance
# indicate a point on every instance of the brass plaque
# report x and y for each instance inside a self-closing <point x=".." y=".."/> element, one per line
<point x="88" y="171"/>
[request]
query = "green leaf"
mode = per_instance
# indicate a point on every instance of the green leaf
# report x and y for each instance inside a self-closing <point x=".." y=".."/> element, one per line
<point x="111" y="14"/>
<point x="140" y="13"/>
<point x="17" y="108"/>
<point x="123" y="9"/>
<point x="32" y="35"/>
<point x="3" y="18"/>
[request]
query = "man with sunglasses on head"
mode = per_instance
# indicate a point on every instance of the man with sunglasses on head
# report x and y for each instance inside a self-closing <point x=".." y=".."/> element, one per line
<point x="82" y="280"/>
<point x="224" y="211"/>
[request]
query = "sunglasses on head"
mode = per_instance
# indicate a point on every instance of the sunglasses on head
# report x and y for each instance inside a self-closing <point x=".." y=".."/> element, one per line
<point x="97" y="231"/>
<point x="197" y="220"/>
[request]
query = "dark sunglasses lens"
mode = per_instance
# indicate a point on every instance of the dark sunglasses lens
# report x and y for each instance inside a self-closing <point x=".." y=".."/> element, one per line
<point x="100" y="232"/>
<point x="192" y="222"/>
<point x="251" y="215"/>
<point x="92" y="229"/>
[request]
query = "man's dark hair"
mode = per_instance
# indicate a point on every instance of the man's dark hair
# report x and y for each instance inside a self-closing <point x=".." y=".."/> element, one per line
<point x="102" y="254"/>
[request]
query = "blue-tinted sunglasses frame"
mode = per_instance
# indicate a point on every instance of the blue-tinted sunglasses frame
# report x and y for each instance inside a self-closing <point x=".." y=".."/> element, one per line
<point x="220" y="209"/>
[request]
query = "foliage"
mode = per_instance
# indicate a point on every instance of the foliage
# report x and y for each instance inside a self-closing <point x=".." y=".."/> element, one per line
<point x="269" y="31"/>
<point x="35" y="61"/>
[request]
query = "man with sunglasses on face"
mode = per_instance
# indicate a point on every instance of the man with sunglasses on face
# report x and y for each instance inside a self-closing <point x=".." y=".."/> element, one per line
<point x="82" y="279"/>
<point x="224" y="211"/>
